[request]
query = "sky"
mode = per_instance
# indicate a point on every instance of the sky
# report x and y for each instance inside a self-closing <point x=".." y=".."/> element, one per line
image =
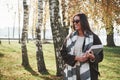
<point x="8" y="18"/>
<point x="4" y="16"/>
<point x="7" y="14"/>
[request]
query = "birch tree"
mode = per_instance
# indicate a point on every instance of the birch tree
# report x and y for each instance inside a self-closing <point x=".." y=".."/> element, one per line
<point x="57" y="32"/>
<point x="25" y="61"/>
<point x="39" y="53"/>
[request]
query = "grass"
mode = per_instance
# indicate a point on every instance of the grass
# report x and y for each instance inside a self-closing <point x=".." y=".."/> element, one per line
<point x="11" y="69"/>
<point x="110" y="67"/>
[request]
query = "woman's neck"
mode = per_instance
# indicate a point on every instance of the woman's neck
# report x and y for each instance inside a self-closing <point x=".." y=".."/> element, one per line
<point x="80" y="33"/>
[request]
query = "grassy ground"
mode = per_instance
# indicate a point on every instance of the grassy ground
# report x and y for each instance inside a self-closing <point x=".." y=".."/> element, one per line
<point x="11" y="69"/>
<point x="110" y="67"/>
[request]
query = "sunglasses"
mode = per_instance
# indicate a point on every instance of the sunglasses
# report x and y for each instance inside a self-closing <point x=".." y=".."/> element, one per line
<point x="76" y="21"/>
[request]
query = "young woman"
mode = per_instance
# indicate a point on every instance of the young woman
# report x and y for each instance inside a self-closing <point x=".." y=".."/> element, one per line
<point x="81" y="63"/>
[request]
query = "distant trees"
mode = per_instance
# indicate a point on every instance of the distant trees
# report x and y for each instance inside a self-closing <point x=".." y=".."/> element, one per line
<point x="105" y="12"/>
<point x="19" y="20"/>
<point x="45" y="17"/>
<point x="111" y="13"/>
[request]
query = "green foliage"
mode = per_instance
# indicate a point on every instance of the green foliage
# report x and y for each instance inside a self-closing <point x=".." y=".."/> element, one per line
<point x="11" y="69"/>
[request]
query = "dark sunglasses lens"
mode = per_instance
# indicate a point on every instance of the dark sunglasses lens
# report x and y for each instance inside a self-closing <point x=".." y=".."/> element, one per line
<point x="77" y="21"/>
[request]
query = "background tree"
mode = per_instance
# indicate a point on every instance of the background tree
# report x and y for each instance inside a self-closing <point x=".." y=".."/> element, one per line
<point x="64" y="13"/>
<point x="34" y="7"/>
<point x="39" y="53"/>
<point x="111" y="12"/>
<point x="8" y="35"/>
<point x="8" y="26"/>
<point x="45" y="18"/>
<point x="19" y="20"/>
<point x="57" y="32"/>
<point x="14" y="24"/>
<point x="105" y="13"/>
<point x="25" y="61"/>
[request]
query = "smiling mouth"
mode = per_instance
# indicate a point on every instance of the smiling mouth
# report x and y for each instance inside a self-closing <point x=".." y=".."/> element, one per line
<point x="76" y="26"/>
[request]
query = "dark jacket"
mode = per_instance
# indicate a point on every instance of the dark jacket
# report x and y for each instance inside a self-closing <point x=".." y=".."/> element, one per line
<point x="70" y="59"/>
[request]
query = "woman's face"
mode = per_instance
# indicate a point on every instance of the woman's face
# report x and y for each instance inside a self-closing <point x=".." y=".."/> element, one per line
<point x="76" y="22"/>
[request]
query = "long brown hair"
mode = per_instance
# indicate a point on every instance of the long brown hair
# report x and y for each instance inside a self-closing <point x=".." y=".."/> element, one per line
<point x="84" y="23"/>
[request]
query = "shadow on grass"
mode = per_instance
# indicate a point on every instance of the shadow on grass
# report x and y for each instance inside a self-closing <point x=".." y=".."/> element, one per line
<point x="28" y="68"/>
<point x="44" y="75"/>
<point x="1" y="54"/>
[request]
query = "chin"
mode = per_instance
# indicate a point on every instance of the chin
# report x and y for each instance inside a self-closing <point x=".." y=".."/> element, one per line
<point x="76" y="28"/>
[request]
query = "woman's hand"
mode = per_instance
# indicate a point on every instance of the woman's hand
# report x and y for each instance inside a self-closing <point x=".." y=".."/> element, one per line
<point x="81" y="58"/>
<point x="90" y="55"/>
<point x="85" y="57"/>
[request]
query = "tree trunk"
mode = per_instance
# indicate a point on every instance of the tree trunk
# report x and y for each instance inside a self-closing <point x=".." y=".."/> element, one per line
<point x="110" y="36"/>
<point x="8" y="35"/>
<point x="14" y="23"/>
<point x="25" y="61"/>
<point x="0" y="42"/>
<point x="18" y="21"/>
<point x="63" y="11"/>
<point x="108" y="21"/>
<point x="39" y="53"/>
<point x="44" y="22"/>
<point x="57" y="32"/>
<point x="110" y="41"/>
